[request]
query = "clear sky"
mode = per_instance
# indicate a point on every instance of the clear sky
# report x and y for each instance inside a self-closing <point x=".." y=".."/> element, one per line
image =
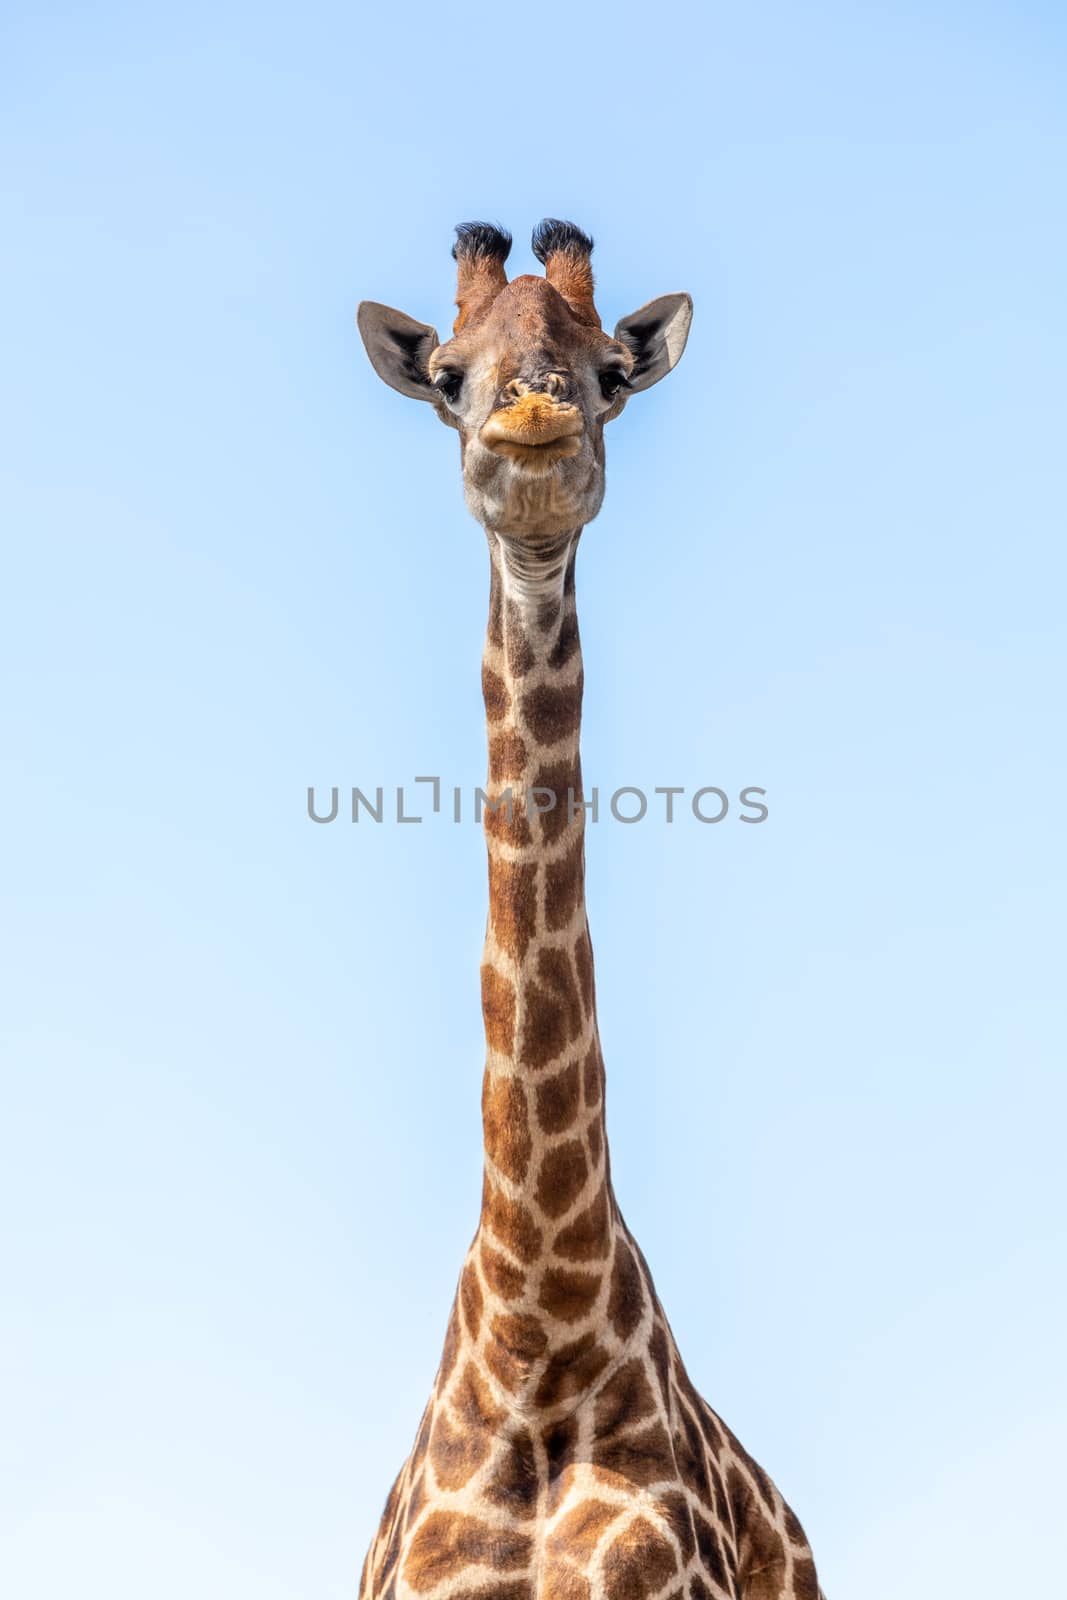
<point x="239" y="1145"/>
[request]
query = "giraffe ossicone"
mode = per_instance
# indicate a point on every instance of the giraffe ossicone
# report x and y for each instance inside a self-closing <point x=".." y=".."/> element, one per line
<point x="564" y="1453"/>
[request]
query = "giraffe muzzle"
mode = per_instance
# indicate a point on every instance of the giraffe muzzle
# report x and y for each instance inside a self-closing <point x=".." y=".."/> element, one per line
<point x="534" y="428"/>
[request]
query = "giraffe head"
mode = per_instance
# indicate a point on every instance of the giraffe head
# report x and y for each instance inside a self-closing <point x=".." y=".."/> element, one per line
<point x="528" y="377"/>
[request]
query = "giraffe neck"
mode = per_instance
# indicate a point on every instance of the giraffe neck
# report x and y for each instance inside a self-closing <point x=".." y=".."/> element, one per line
<point x="541" y="1263"/>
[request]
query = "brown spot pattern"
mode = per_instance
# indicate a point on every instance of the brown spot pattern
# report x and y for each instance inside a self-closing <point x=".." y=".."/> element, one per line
<point x="573" y="1369"/>
<point x="567" y="640"/>
<point x="675" y="1508"/>
<point x="507" y="756"/>
<point x="525" y="1335"/>
<point x="553" y="1016"/>
<point x="559" y="1441"/>
<point x="559" y="779"/>
<point x="513" y="904"/>
<point x="583" y="961"/>
<point x="447" y="1542"/>
<point x="625" y="1399"/>
<point x="495" y="694"/>
<point x="451" y="1346"/>
<point x="643" y="1457"/>
<point x="711" y="1550"/>
<point x="513" y="1484"/>
<point x="557" y="1100"/>
<point x="509" y="825"/>
<point x="498" y="1010"/>
<point x="566" y="1295"/>
<point x="553" y="713"/>
<point x="512" y="1224"/>
<point x="475" y="1408"/>
<point x="501" y="1276"/>
<point x="470" y="1298"/>
<point x="519" y="1341"/>
<point x="516" y="644"/>
<point x="638" y="1563"/>
<point x="513" y="1589"/>
<point x="456" y="1452"/>
<point x="586" y="1238"/>
<point x="593" y="1076"/>
<point x="564" y="881"/>
<point x="504" y="1119"/>
<point x="564" y="1583"/>
<point x="561" y="1179"/>
<point x="626" y="1302"/>
<point x="578" y="1533"/>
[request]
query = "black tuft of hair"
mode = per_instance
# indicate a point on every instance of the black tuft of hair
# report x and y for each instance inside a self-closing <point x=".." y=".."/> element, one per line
<point x="481" y="240"/>
<point x="551" y="236"/>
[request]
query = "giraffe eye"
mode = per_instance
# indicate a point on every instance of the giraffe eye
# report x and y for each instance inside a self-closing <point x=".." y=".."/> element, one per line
<point x="611" y="381"/>
<point x="448" y="383"/>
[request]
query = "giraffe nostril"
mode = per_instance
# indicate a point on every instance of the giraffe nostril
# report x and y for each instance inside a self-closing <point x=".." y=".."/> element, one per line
<point x="554" y="385"/>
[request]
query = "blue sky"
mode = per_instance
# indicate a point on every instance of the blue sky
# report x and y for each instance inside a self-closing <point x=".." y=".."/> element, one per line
<point x="239" y="1152"/>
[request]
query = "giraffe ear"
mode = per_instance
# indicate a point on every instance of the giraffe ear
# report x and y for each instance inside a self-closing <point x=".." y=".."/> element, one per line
<point x="399" y="348"/>
<point x="655" y="335"/>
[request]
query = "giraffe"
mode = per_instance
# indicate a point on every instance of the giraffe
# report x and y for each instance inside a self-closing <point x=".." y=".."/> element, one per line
<point x="564" y="1453"/>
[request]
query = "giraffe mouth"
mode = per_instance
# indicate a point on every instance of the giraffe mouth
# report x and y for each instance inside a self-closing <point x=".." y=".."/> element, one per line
<point x="535" y="432"/>
<point x="537" y="458"/>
